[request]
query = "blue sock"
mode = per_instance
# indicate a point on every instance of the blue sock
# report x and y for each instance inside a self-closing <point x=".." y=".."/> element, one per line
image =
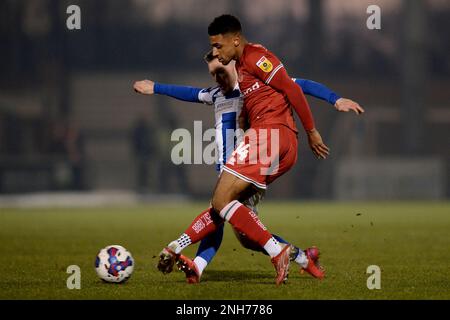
<point x="279" y="239"/>
<point x="210" y="245"/>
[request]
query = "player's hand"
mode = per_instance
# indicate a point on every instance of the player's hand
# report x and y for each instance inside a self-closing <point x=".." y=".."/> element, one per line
<point x="320" y="150"/>
<point x="144" y="87"/>
<point x="346" y="105"/>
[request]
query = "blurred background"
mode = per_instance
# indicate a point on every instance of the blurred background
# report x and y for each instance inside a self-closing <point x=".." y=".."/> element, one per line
<point x="71" y="124"/>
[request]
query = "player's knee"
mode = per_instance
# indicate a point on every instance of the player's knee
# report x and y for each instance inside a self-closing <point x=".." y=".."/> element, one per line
<point x="218" y="203"/>
<point x="220" y="200"/>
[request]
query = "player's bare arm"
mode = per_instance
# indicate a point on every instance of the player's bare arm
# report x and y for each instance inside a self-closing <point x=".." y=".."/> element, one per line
<point x="283" y="83"/>
<point x="320" y="150"/>
<point x="144" y="87"/>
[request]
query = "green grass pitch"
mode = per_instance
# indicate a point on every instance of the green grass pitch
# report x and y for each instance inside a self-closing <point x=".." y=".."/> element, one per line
<point x="410" y="242"/>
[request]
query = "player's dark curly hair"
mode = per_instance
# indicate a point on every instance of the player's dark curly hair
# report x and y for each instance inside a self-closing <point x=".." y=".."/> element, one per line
<point x="223" y="24"/>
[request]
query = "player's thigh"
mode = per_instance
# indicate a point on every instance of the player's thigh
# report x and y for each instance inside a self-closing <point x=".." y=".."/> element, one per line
<point x="228" y="188"/>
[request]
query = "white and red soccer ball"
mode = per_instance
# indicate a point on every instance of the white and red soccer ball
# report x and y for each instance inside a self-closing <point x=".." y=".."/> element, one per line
<point x="114" y="264"/>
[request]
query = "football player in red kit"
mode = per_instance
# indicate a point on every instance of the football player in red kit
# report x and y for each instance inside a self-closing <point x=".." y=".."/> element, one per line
<point x="269" y="148"/>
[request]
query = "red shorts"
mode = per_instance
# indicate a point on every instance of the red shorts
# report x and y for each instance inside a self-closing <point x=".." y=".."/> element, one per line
<point x="264" y="155"/>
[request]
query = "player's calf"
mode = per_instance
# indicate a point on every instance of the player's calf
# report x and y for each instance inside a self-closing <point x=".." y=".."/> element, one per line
<point x="202" y="226"/>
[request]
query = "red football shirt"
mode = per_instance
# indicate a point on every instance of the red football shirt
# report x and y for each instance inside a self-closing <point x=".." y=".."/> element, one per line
<point x="263" y="105"/>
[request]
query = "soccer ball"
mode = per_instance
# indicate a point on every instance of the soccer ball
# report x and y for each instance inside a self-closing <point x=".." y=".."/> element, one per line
<point x="114" y="264"/>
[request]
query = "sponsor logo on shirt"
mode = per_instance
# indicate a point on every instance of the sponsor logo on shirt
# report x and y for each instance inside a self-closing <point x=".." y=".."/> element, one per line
<point x="264" y="64"/>
<point x="254" y="87"/>
<point x="224" y="105"/>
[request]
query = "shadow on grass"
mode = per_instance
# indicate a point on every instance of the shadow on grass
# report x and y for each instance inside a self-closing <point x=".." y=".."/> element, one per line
<point x="260" y="277"/>
<point x="244" y="276"/>
<point x="250" y="276"/>
<point x="241" y="276"/>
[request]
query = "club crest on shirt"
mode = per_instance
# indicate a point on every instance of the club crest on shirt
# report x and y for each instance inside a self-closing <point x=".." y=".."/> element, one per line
<point x="264" y="64"/>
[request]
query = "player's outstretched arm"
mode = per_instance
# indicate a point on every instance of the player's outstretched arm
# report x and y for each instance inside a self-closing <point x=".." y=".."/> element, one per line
<point x="184" y="93"/>
<point x="346" y="105"/>
<point x="317" y="90"/>
<point x="320" y="91"/>
<point x="144" y="87"/>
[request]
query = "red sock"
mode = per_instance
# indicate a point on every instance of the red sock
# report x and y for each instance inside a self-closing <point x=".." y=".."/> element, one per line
<point x="204" y="224"/>
<point x="246" y="221"/>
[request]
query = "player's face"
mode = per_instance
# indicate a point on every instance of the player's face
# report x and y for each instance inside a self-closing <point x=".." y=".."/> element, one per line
<point x="224" y="75"/>
<point x="224" y="47"/>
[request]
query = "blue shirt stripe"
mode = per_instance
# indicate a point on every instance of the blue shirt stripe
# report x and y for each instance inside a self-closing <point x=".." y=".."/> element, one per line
<point x="228" y="123"/>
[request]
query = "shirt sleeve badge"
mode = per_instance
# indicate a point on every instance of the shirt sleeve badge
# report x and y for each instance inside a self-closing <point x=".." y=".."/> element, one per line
<point x="264" y="64"/>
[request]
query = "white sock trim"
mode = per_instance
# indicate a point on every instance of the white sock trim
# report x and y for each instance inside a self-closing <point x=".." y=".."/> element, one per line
<point x="182" y="242"/>
<point x="272" y="247"/>
<point x="228" y="211"/>
<point x="301" y="259"/>
<point x="200" y="263"/>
